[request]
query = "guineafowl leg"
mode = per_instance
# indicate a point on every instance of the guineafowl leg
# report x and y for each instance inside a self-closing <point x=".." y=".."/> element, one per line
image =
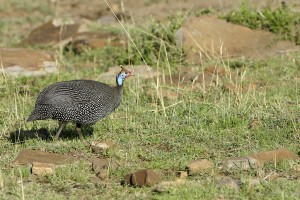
<point x="61" y="127"/>
<point x="78" y="129"/>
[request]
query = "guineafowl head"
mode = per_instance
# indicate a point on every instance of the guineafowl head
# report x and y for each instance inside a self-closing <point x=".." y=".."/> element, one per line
<point x="124" y="73"/>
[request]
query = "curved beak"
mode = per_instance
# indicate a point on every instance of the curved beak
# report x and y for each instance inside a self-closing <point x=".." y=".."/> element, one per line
<point x="129" y="74"/>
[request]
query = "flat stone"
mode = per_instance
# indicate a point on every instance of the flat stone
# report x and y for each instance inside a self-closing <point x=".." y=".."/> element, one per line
<point x="100" y="147"/>
<point x="296" y="167"/>
<point x="212" y="37"/>
<point x="143" y="177"/>
<point x="165" y="186"/>
<point x="103" y="174"/>
<point x="98" y="164"/>
<point x="42" y="169"/>
<point x="27" y="157"/>
<point x="243" y="163"/>
<point x="94" y="40"/>
<point x="199" y="166"/>
<point x="56" y="32"/>
<point x="182" y="174"/>
<point x="27" y="62"/>
<point x="275" y="156"/>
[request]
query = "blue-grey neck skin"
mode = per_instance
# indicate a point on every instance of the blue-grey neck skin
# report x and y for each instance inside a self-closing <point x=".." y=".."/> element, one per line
<point x="120" y="79"/>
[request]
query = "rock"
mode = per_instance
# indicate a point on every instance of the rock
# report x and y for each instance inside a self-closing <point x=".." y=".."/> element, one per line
<point x="228" y="182"/>
<point x="199" y="166"/>
<point x="103" y="174"/>
<point x="57" y="33"/>
<point x="27" y="62"/>
<point x="100" y="147"/>
<point x="1" y="179"/>
<point x="296" y="167"/>
<point x="275" y="156"/>
<point x="140" y="71"/>
<point x="165" y="186"/>
<point x="93" y="40"/>
<point x="182" y="174"/>
<point x="199" y="36"/>
<point x="28" y="156"/>
<point x="100" y="167"/>
<point x="107" y="20"/>
<point x="143" y="177"/>
<point x="255" y="161"/>
<point x="42" y="169"/>
<point x="243" y="163"/>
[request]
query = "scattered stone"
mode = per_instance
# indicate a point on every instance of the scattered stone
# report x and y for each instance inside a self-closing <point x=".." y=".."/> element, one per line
<point x="199" y="166"/>
<point x="1" y="179"/>
<point x="143" y="177"/>
<point x="255" y="161"/>
<point x="98" y="164"/>
<point x="243" y="163"/>
<point x="100" y="147"/>
<point x="42" y="169"/>
<point x="103" y="174"/>
<point x="27" y="62"/>
<point x="182" y="174"/>
<point x="229" y="182"/>
<point x="57" y="33"/>
<point x="93" y="40"/>
<point x="275" y="156"/>
<point x="296" y="167"/>
<point x="165" y="186"/>
<point x="100" y="167"/>
<point x="27" y="157"/>
<point x="199" y="37"/>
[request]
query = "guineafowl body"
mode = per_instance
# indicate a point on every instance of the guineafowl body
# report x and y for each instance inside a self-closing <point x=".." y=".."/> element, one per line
<point x="83" y="102"/>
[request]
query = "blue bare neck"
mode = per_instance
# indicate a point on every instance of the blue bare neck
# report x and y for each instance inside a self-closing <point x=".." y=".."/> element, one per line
<point x="120" y="80"/>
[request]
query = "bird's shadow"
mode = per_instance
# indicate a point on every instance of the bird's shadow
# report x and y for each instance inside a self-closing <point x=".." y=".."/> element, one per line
<point x="69" y="133"/>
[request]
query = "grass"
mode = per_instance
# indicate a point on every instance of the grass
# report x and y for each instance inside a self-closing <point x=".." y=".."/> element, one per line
<point x="149" y="134"/>
<point x="282" y="20"/>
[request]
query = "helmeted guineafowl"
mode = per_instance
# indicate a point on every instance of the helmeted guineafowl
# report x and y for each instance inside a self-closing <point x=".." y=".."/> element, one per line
<point x="80" y="101"/>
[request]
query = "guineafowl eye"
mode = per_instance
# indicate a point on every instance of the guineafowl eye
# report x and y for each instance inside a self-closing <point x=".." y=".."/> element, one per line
<point x="83" y="102"/>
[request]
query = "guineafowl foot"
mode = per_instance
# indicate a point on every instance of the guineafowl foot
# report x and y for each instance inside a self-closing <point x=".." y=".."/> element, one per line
<point x="78" y="129"/>
<point x="61" y="127"/>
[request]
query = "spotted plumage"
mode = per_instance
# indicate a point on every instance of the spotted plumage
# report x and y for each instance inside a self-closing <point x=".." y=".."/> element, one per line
<point x="80" y="101"/>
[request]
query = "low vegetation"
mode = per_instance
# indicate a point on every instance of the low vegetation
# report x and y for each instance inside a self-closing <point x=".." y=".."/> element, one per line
<point x="282" y="20"/>
<point x="165" y="134"/>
